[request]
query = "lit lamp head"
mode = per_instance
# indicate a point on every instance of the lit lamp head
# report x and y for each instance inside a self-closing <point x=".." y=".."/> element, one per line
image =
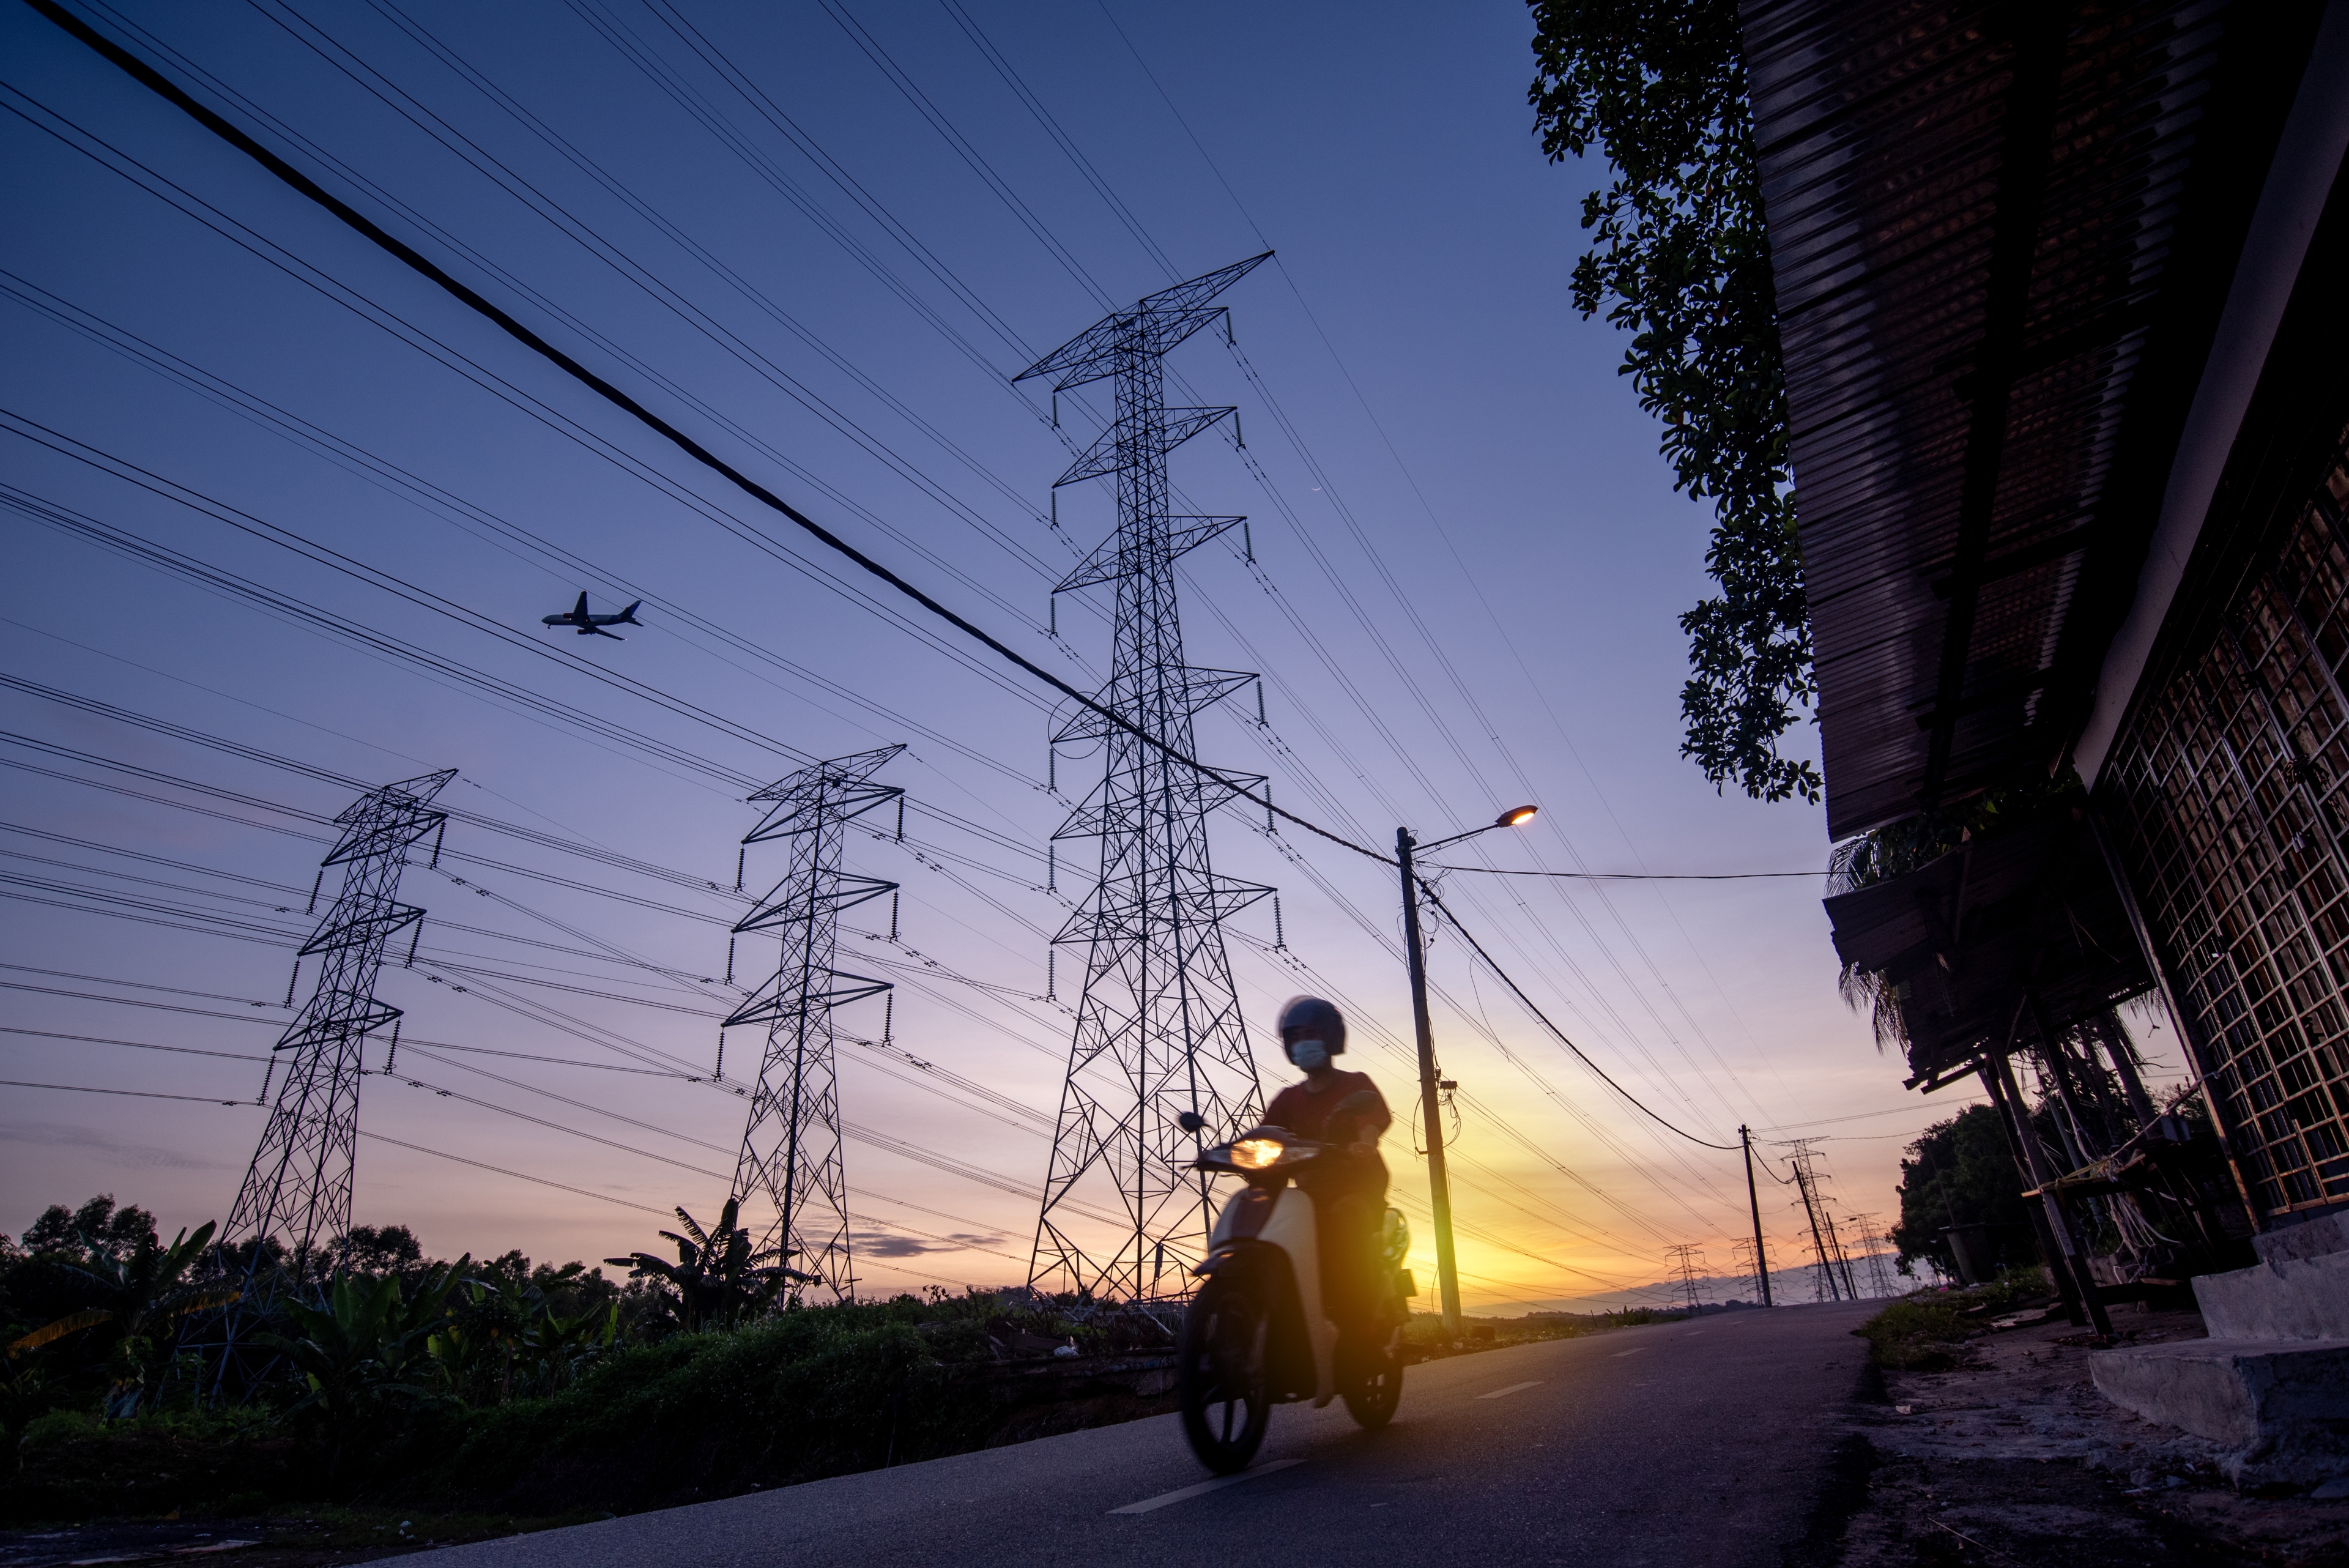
<point x="1518" y="817"/>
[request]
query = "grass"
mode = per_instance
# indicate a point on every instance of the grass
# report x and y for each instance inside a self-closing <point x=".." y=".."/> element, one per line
<point x="1928" y="1332"/>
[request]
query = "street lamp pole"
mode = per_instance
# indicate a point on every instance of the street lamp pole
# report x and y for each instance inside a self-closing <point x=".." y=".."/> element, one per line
<point x="1430" y="1109"/>
<point x="1439" y="1182"/>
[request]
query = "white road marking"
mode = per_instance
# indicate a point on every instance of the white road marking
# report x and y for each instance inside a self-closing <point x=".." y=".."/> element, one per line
<point x="1633" y="1351"/>
<point x="1184" y="1494"/>
<point x="1512" y="1388"/>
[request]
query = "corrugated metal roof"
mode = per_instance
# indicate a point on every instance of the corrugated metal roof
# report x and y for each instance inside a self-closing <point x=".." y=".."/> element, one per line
<point x="1990" y="227"/>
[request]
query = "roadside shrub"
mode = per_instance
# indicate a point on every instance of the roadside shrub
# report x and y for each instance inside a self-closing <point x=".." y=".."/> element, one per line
<point x="58" y="1426"/>
<point x="787" y="1400"/>
<point x="1920" y="1333"/>
<point x="1927" y="1332"/>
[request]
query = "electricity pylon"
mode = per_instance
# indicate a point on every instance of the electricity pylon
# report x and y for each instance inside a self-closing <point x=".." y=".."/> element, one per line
<point x="791" y="1177"/>
<point x="1687" y="1260"/>
<point x="1873" y="1244"/>
<point x="295" y="1202"/>
<point x="1747" y="1263"/>
<point x="1158" y="1033"/>
<point x="1826" y="1247"/>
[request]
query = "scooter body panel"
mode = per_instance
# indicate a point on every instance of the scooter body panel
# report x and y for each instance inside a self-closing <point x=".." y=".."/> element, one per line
<point x="1290" y="1226"/>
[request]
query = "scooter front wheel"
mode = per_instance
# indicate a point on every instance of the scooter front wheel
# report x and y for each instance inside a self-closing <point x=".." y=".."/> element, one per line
<point x="1221" y="1377"/>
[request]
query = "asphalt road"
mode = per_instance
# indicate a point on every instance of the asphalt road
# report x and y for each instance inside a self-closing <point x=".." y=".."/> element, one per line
<point x="1706" y="1442"/>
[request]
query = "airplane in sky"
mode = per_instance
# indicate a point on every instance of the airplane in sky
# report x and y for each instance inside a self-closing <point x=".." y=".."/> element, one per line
<point x="594" y="625"/>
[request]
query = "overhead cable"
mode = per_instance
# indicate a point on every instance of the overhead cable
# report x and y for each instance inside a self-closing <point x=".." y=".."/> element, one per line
<point x="164" y="88"/>
<point x="1563" y="1038"/>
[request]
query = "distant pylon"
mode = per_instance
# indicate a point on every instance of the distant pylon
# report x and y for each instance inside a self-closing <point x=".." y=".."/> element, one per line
<point x="297" y="1190"/>
<point x="1873" y="1244"/>
<point x="791" y="1176"/>
<point x="1747" y="1265"/>
<point x="1158" y="1031"/>
<point x="1832" y="1281"/>
<point x="1687" y="1260"/>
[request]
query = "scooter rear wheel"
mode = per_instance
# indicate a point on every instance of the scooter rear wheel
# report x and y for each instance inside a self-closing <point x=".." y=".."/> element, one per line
<point x="1221" y="1376"/>
<point x="1371" y="1384"/>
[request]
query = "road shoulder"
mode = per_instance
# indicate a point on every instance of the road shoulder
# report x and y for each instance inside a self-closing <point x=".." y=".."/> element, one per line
<point x="2013" y="1457"/>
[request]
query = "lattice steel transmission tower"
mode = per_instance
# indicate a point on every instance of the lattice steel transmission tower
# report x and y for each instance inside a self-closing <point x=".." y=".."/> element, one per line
<point x="1687" y="1260"/>
<point x="298" y="1191"/>
<point x="791" y="1176"/>
<point x="1747" y="1263"/>
<point x="1873" y="1245"/>
<point x="1158" y="1031"/>
<point x="1833" y="1279"/>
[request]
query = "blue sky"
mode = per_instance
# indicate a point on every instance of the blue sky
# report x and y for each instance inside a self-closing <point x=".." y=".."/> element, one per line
<point x="1468" y="564"/>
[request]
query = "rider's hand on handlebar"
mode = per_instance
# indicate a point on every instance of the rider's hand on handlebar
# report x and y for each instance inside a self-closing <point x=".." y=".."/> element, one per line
<point x="1361" y="1149"/>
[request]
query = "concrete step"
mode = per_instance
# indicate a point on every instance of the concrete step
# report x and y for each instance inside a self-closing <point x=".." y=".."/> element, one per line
<point x="2287" y="1298"/>
<point x="2282" y="1405"/>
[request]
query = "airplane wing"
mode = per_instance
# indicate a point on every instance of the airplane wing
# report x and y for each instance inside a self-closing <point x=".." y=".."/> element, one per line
<point x="599" y="631"/>
<point x="579" y="610"/>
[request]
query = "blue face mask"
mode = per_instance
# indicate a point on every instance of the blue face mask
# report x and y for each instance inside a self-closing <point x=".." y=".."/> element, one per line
<point x="1310" y="1054"/>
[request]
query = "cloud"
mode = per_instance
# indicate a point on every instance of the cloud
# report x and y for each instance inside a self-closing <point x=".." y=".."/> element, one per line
<point x="880" y="1244"/>
<point x="136" y="1157"/>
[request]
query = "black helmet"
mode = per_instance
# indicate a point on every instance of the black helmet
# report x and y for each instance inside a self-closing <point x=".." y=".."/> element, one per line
<point x="1311" y="1018"/>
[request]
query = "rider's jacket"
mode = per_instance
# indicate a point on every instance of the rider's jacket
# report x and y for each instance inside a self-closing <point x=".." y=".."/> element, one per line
<point x="1305" y="1110"/>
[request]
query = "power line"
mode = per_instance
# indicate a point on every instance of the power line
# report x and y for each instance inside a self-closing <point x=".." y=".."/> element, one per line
<point x="1562" y="1039"/>
<point x="134" y="1094"/>
<point x="385" y="320"/>
<point x="163" y="86"/>
<point x="1287" y="814"/>
<point x="1444" y="534"/>
<point x="1628" y="876"/>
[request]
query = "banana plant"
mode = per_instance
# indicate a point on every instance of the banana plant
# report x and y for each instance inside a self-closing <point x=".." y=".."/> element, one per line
<point x="148" y="1293"/>
<point x="554" y="1349"/>
<point x="499" y="1316"/>
<point x="364" y="1352"/>
<point x="718" y="1277"/>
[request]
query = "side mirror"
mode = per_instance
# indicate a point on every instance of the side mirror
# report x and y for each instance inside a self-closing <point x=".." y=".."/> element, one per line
<point x="1191" y="1121"/>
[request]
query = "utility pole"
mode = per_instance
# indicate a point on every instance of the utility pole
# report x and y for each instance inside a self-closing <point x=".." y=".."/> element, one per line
<point x="1431" y="1087"/>
<point x="295" y="1203"/>
<point x="1753" y="1202"/>
<point x="1835" y="1245"/>
<point x="792" y="1173"/>
<point x="1158" y="1036"/>
<point x="1431" y="1110"/>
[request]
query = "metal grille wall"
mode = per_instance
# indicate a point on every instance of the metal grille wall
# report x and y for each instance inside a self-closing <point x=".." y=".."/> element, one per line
<point x="2230" y="796"/>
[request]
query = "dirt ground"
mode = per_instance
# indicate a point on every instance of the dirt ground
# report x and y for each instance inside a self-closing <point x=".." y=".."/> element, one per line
<point x="2015" y="1457"/>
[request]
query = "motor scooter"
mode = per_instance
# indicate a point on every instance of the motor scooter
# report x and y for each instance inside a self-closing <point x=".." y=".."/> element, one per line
<point x="1256" y="1334"/>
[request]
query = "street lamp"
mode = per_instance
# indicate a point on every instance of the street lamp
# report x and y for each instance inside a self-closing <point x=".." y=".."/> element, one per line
<point x="1439" y="1183"/>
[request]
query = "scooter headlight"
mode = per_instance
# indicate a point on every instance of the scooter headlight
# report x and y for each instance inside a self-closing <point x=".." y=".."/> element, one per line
<point x="1255" y="1152"/>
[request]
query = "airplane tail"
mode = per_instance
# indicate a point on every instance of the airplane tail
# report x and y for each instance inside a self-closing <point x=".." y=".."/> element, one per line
<point x="628" y="616"/>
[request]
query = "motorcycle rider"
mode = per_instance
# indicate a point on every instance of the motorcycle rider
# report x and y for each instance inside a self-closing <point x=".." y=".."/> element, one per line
<point x="1348" y="1186"/>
